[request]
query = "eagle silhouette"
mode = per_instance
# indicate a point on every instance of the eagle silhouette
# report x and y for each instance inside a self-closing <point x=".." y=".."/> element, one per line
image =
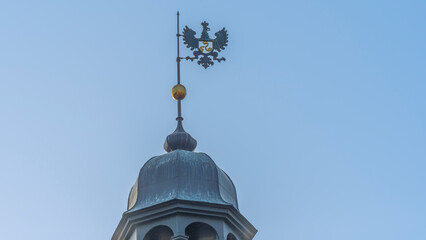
<point x="205" y="46"/>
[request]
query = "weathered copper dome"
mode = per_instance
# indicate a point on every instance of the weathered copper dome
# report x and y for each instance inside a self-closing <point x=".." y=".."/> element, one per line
<point x="182" y="175"/>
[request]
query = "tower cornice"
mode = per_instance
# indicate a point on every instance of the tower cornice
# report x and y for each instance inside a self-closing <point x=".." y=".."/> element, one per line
<point x="179" y="208"/>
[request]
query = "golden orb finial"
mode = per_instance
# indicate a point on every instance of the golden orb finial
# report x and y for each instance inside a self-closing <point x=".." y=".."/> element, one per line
<point x="178" y="92"/>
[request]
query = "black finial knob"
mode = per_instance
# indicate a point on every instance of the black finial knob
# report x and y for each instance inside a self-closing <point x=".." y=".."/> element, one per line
<point x="180" y="139"/>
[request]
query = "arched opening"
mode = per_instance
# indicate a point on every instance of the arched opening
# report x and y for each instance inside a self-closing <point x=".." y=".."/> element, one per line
<point x="159" y="233"/>
<point x="200" y="231"/>
<point x="231" y="237"/>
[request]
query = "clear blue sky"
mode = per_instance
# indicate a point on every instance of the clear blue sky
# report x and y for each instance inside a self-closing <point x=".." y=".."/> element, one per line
<point x="318" y="114"/>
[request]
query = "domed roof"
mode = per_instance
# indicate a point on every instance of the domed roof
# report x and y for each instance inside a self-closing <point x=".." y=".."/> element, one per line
<point x="183" y="175"/>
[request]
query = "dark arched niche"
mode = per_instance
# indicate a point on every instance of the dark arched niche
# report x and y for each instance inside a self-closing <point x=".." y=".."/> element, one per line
<point x="159" y="233"/>
<point x="231" y="237"/>
<point x="200" y="231"/>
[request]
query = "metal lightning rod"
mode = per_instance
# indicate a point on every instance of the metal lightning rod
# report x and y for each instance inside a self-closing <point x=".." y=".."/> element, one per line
<point x="179" y="118"/>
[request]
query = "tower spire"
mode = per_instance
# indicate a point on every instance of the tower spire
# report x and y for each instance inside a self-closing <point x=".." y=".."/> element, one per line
<point x="179" y="139"/>
<point x="184" y="195"/>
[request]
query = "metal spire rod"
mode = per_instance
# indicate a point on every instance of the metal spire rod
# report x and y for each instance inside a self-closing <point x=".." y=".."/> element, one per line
<point x="208" y="49"/>
<point x="179" y="118"/>
<point x="179" y="139"/>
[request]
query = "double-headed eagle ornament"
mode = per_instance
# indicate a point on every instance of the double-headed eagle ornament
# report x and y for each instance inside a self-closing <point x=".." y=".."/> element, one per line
<point x="204" y="47"/>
